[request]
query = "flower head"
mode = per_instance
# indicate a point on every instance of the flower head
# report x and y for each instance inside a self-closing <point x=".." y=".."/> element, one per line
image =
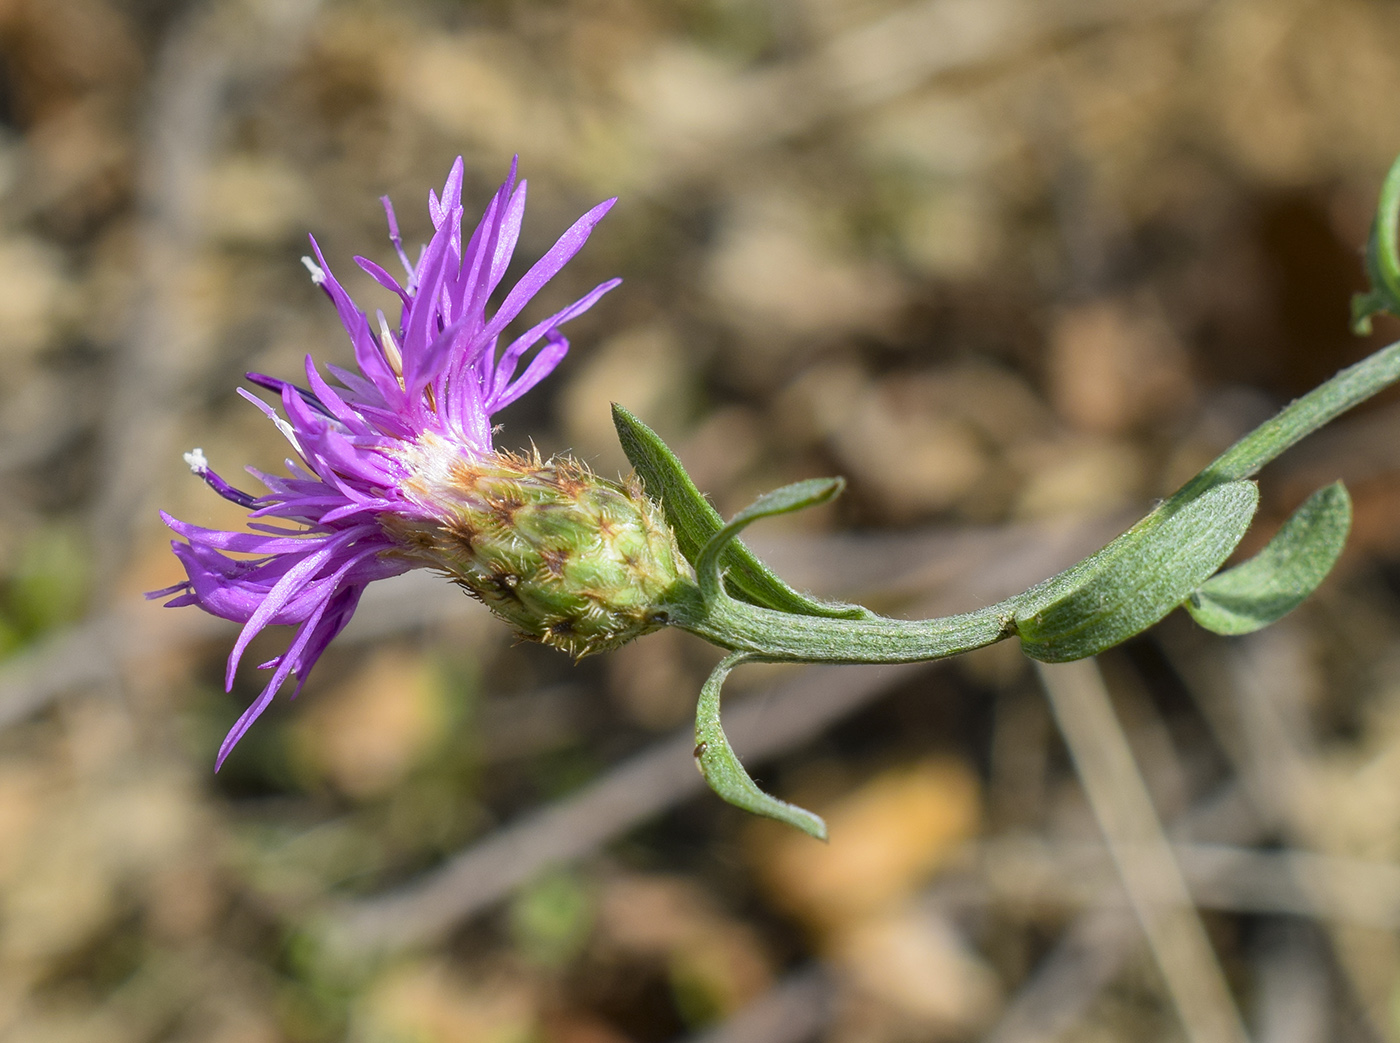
<point x="369" y="453"/>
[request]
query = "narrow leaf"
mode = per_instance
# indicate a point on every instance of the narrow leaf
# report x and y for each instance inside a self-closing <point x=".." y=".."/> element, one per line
<point x="1275" y="581"/>
<point x="695" y="522"/>
<point x="789" y="498"/>
<point x="1137" y="579"/>
<point x="1382" y="258"/>
<point x="721" y="768"/>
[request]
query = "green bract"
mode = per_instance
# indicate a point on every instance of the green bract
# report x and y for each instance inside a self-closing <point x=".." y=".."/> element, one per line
<point x="565" y="557"/>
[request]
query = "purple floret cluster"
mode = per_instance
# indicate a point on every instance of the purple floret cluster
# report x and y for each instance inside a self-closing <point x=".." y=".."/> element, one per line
<point x="424" y="389"/>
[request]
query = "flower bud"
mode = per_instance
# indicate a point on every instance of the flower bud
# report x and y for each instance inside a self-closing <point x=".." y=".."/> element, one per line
<point x="565" y="557"/>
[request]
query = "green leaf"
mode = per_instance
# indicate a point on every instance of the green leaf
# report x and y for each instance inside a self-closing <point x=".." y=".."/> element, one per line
<point x="789" y="498"/>
<point x="1275" y="581"/>
<point x="695" y="522"/>
<point x="721" y="768"/>
<point x="1138" y="578"/>
<point x="1382" y="258"/>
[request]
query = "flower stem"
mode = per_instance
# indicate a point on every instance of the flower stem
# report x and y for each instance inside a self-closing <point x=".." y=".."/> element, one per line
<point x="785" y="636"/>
<point x="1324" y="403"/>
<point x="769" y="634"/>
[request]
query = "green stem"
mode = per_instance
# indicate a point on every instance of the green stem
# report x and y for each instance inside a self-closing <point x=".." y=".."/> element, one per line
<point x="737" y="625"/>
<point x="1321" y="405"/>
<point x="776" y="635"/>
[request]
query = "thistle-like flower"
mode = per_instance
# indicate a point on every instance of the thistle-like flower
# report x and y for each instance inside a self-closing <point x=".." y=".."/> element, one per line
<point x="394" y="469"/>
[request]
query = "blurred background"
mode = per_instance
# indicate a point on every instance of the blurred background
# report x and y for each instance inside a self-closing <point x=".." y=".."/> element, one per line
<point x="1014" y="267"/>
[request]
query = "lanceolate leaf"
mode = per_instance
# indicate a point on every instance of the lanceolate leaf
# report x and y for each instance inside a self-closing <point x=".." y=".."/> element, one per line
<point x="721" y="768"/>
<point x="1382" y="258"/>
<point x="1271" y="584"/>
<point x="789" y="498"/>
<point x="1138" y="578"/>
<point x="695" y="522"/>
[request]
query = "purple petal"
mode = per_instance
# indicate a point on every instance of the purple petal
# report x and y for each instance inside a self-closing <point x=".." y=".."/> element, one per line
<point x="540" y="367"/>
<point x="310" y="641"/>
<point x="439" y="210"/>
<point x="281" y="593"/>
<point x="382" y="277"/>
<point x="505" y="368"/>
<point x="570" y="243"/>
<point x="418" y="329"/>
<point x="395" y="238"/>
<point x="368" y="354"/>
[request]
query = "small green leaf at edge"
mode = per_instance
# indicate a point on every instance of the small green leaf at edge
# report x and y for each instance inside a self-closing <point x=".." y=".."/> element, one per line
<point x="695" y="522"/>
<point x="1138" y="578"/>
<point x="1275" y="581"/>
<point x="1382" y="258"/>
<point x="721" y="768"/>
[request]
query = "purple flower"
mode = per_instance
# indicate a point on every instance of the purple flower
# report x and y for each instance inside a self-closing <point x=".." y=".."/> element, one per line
<point x="425" y="391"/>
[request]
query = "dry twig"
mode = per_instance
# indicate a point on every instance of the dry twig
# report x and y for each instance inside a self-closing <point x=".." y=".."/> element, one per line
<point x="1155" y="886"/>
